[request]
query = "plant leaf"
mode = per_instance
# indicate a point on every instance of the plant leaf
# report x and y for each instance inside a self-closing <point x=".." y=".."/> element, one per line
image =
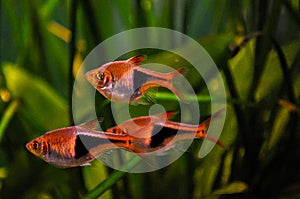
<point x="39" y="101"/>
<point x="232" y="188"/>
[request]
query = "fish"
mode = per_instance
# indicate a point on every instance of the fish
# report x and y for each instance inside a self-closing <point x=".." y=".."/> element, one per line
<point x="149" y="126"/>
<point x="133" y="125"/>
<point x="126" y="81"/>
<point x="79" y="145"/>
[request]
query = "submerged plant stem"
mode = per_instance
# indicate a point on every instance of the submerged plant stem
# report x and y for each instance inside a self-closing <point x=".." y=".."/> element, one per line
<point x="202" y="99"/>
<point x="9" y="112"/>
<point x="112" y="179"/>
<point x="73" y="15"/>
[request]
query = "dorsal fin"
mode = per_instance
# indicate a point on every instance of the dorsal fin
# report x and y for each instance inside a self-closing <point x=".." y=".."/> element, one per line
<point x="91" y="125"/>
<point x="137" y="60"/>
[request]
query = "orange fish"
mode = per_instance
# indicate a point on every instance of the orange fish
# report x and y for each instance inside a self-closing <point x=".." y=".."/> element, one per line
<point x="126" y="81"/>
<point x="79" y="145"/>
<point x="133" y="125"/>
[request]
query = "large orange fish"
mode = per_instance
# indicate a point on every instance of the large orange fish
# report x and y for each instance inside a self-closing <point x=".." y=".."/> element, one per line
<point x="126" y="81"/>
<point x="78" y="145"/>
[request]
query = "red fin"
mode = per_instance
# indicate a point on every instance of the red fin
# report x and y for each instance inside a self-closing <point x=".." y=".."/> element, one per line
<point x="173" y="74"/>
<point x="171" y="87"/>
<point x="202" y="134"/>
<point x="137" y="60"/>
<point x="218" y="113"/>
<point x="169" y="114"/>
<point x="205" y="124"/>
<point x="203" y="127"/>
<point x="163" y="83"/>
<point x="218" y="142"/>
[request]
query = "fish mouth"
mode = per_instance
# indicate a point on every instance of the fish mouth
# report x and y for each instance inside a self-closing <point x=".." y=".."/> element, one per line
<point x="31" y="150"/>
<point x="27" y="146"/>
<point x="97" y="83"/>
<point x="89" y="76"/>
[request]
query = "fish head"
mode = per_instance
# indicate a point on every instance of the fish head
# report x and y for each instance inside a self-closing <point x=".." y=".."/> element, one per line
<point x="38" y="147"/>
<point x="99" y="78"/>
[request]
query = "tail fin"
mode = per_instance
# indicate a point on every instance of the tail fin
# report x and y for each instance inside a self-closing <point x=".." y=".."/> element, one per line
<point x="202" y="129"/>
<point x="173" y="74"/>
<point x="170" y="86"/>
<point x="218" y="142"/>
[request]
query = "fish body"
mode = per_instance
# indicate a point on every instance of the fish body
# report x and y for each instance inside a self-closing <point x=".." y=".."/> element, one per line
<point x="76" y="145"/>
<point x="133" y="125"/>
<point x="126" y="81"/>
<point x="160" y="127"/>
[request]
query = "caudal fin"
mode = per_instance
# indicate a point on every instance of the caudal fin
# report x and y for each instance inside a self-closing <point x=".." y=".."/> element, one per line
<point x="202" y="129"/>
<point x="173" y="74"/>
<point x="171" y="87"/>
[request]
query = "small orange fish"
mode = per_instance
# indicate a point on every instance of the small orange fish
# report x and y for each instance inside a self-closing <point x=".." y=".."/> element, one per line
<point x="148" y="127"/>
<point x="79" y="145"/>
<point x="133" y="125"/>
<point x="126" y="81"/>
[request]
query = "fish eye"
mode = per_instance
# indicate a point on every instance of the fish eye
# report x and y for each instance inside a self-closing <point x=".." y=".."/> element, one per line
<point x="100" y="76"/>
<point x="35" y="145"/>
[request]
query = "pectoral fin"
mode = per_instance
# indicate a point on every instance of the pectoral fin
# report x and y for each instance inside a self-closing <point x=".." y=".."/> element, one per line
<point x="86" y="164"/>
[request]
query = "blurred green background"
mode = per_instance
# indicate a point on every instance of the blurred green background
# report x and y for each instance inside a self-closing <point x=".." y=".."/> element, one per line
<point x="255" y="45"/>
